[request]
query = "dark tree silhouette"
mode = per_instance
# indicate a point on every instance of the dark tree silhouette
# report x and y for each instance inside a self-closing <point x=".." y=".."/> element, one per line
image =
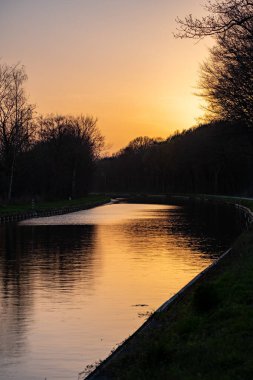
<point x="226" y="79"/>
<point x="16" y="122"/>
<point x="214" y="158"/>
<point x="223" y="15"/>
<point x="61" y="163"/>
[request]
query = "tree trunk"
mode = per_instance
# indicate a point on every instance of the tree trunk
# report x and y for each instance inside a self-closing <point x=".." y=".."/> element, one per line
<point x="73" y="185"/>
<point x="11" y="180"/>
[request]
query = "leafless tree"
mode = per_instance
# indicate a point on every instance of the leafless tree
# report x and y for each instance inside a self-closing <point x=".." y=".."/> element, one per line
<point x="16" y="116"/>
<point x="226" y="78"/>
<point x="73" y="144"/>
<point x="223" y="16"/>
<point x="83" y="127"/>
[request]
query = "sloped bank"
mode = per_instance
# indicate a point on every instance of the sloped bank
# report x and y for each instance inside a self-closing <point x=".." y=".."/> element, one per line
<point x="205" y="331"/>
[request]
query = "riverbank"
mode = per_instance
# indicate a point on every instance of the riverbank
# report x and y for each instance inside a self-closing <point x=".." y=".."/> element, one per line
<point x="206" y="333"/>
<point x="168" y="198"/>
<point x="15" y="212"/>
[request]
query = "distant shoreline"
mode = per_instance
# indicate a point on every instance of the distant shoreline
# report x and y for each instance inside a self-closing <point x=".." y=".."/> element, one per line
<point x="14" y="213"/>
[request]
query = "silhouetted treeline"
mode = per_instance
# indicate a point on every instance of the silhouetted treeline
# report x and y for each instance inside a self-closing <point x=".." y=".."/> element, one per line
<point x="58" y="163"/>
<point x="61" y="162"/>
<point x="213" y="158"/>
<point x="47" y="157"/>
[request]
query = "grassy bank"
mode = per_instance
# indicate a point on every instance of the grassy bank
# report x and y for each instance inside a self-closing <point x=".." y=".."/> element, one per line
<point x="207" y="334"/>
<point x="20" y="208"/>
<point x="167" y="198"/>
<point x="244" y="201"/>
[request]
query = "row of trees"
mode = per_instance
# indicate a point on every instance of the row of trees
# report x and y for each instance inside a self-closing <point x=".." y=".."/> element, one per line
<point x="54" y="156"/>
<point x="213" y="158"/>
<point x="216" y="157"/>
<point x="46" y="157"/>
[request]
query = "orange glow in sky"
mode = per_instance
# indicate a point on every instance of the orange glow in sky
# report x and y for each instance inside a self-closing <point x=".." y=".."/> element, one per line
<point x="114" y="59"/>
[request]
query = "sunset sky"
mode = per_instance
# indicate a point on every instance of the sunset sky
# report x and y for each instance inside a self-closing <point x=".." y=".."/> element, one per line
<point x="114" y="59"/>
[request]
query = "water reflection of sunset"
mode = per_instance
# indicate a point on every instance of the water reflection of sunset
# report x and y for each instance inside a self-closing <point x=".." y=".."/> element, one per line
<point x="71" y="292"/>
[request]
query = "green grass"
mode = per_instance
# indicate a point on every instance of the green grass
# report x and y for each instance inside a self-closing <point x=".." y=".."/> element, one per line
<point x="89" y="201"/>
<point x="207" y="335"/>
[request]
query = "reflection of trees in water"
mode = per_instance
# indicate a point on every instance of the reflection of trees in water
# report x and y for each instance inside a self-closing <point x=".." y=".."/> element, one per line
<point x="202" y="227"/>
<point x="57" y="256"/>
<point x="61" y="258"/>
<point x="212" y="226"/>
<point x="15" y="287"/>
<point x="63" y="254"/>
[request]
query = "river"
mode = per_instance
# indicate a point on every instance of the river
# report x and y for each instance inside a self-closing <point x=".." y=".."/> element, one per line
<point x="74" y="286"/>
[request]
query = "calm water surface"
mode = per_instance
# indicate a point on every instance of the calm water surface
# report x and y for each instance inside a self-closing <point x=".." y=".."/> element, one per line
<point x="73" y="286"/>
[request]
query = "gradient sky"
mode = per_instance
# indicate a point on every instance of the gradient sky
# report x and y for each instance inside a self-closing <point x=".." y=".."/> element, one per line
<point x="114" y="59"/>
